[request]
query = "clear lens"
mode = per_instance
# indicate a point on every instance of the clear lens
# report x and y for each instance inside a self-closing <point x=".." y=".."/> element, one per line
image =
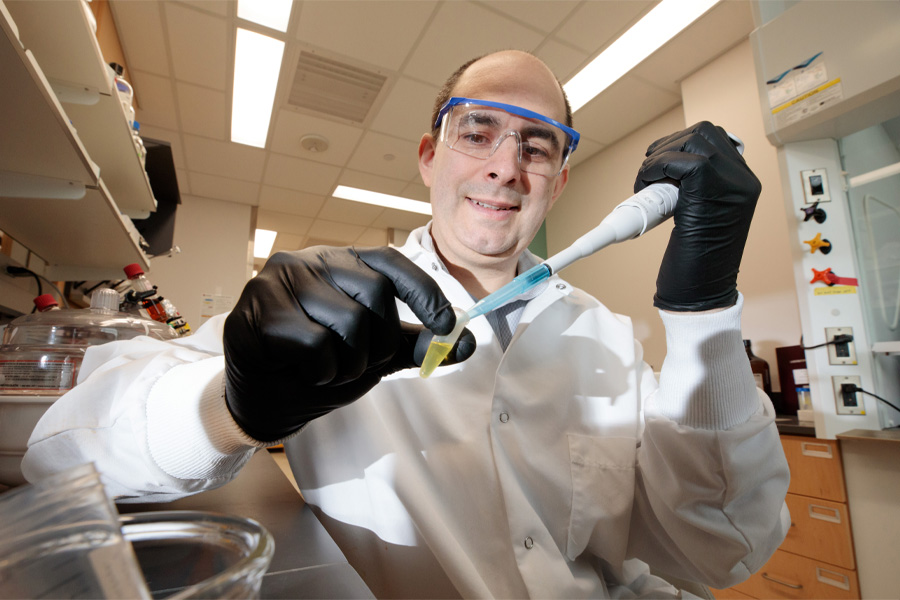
<point x="479" y="131"/>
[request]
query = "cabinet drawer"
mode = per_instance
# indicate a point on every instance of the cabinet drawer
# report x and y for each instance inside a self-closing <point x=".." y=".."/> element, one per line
<point x="787" y="575"/>
<point x="815" y="467"/>
<point x="820" y="529"/>
<point x="729" y="594"/>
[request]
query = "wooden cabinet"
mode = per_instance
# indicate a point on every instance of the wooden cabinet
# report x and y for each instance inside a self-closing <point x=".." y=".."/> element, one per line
<point x="816" y="559"/>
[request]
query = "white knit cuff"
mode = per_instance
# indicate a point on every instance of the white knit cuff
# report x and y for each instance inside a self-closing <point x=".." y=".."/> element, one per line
<point x="190" y="432"/>
<point x="706" y="381"/>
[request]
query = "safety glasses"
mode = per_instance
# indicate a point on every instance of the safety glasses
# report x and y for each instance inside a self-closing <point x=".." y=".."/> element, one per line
<point x="478" y="128"/>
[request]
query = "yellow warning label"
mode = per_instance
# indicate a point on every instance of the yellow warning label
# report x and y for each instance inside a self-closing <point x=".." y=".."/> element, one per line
<point x="808" y="94"/>
<point x="834" y="290"/>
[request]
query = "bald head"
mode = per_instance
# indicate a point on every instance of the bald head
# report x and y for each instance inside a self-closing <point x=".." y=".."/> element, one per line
<point x="504" y="74"/>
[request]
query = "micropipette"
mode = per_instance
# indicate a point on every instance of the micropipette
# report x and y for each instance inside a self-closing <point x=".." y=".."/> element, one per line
<point x="630" y="219"/>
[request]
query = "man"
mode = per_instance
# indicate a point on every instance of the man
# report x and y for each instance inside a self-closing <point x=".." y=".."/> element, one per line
<point x="545" y="464"/>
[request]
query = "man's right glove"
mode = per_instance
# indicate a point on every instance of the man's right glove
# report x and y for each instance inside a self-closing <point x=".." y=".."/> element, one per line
<point x="716" y="198"/>
<point x="318" y="328"/>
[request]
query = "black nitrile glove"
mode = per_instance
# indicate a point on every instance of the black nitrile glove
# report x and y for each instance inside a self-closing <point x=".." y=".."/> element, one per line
<point x="318" y="328"/>
<point x="716" y="198"/>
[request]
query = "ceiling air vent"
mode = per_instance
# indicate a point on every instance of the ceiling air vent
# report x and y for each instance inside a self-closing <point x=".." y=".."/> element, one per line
<point x="334" y="88"/>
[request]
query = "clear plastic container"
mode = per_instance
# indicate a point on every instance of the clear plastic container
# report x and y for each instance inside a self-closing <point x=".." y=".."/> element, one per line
<point x="41" y="352"/>
<point x="61" y="538"/>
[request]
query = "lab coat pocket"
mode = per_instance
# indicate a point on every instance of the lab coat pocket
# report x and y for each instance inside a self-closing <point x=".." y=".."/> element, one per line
<point x="602" y="495"/>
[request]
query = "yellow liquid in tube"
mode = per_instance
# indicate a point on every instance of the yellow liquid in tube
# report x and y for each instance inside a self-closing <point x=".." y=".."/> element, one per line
<point x="437" y="352"/>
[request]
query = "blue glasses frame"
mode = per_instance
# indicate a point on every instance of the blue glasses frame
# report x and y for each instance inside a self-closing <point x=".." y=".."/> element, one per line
<point x="573" y="135"/>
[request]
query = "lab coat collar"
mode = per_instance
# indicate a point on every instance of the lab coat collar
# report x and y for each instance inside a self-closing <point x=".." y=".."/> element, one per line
<point x="419" y="248"/>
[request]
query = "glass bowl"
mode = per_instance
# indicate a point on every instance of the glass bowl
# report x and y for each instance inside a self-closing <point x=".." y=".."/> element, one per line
<point x="198" y="554"/>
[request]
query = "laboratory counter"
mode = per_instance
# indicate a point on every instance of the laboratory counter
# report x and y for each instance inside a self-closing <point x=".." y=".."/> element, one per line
<point x="307" y="563"/>
<point x="790" y="425"/>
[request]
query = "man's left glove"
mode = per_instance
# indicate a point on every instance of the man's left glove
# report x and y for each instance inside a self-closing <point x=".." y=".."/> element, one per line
<point x="716" y="198"/>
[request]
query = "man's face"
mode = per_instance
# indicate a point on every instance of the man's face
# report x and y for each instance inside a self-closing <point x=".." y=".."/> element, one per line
<point x="489" y="209"/>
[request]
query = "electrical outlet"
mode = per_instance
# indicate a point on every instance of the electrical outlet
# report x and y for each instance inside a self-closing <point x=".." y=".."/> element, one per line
<point x="848" y="402"/>
<point x="843" y="353"/>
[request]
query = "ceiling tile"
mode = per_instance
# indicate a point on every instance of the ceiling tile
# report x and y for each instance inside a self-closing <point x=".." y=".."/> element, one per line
<point x="719" y="30"/>
<point x="339" y="233"/>
<point x="140" y="29"/>
<point x="378" y="33"/>
<point x="372" y="237"/>
<point x="290" y="201"/>
<point x="291" y="126"/>
<point x="594" y="25"/>
<point x="219" y="7"/>
<point x="416" y="191"/>
<point x="275" y="221"/>
<point x="622" y="108"/>
<point x="400" y="219"/>
<point x="406" y="112"/>
<point x="348" y="211"/>
<point x="202" y="111"/>
<point x="372" y="154"/>
<point x="199" y="43"/>
<point x="215" y="157"/>
<point x="563" y="60"/>
<point x="155" y="99"/>
<point x="301" y="175"/>
<point x="440" y="50"/>
<point x="184" y="186"/>
<point x="375" y="183"/>
<point x="287" y="242"/>
<point x="223" y="188"/>
<point x="544" y="15"/>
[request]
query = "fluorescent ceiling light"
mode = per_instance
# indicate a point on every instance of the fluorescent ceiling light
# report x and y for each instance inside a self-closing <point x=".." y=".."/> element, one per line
<point x="257" y="62"/>
<point x="358" y="195"/>
<point x="271" y="13"/>
<point x="660" y="25"/>
<point x="263" y="242"/>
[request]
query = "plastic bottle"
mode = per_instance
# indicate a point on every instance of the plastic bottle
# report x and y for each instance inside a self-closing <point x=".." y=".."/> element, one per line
<point x="801" y="383"/>
<point x="143" y="293"/>
<point x="125" y="91"/>
<point x="760" y="370"/>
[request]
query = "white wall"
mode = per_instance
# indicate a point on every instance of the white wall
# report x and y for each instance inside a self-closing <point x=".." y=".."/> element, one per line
<point x="213" y="237"/>
<point x="624" y="276"/>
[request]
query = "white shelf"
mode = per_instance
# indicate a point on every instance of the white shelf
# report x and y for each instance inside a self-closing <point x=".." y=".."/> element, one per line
<point x="95" y="243"/>
<point x="60" y="36"/>
<point x="36" y="136"/>
<point x="39" y="147"/>
<point x="886" y="348"/>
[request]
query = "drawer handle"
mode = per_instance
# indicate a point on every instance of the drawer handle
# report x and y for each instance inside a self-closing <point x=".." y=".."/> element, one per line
<point x="825" y="513"/>
<point x="793" y="586"/>
<point x="838" y="580"/>
<point x="817" y="450"/>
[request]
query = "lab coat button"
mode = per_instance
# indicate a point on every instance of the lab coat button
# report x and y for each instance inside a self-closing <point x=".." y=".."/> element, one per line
<point x="434" y="267"/>
<point x="560" y="286"/>
<point x="529" y="543"/>
<point x="504" y="417"/>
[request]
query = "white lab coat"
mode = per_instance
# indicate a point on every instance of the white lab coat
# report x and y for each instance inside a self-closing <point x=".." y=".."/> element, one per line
<point x="543" y="471"/>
